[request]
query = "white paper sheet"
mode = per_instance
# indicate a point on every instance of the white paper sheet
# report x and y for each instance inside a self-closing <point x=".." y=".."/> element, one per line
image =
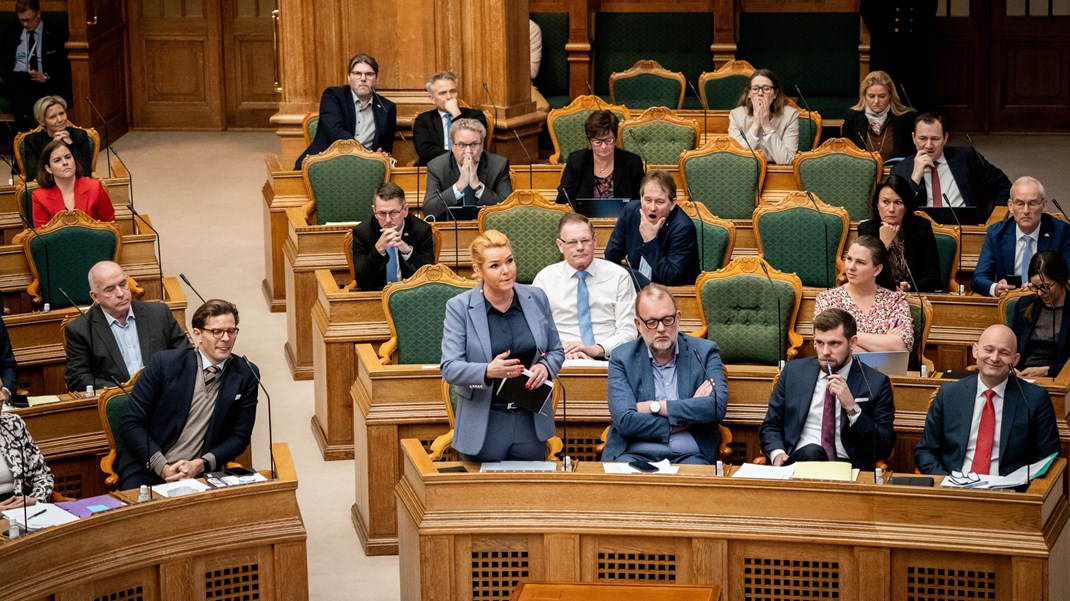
<point x="765" y="472"/>
<point x="41" y="515"/>
<point x="179" y="488"/>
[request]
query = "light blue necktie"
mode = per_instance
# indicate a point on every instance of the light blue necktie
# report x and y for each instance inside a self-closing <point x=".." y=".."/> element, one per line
<point x="583" y="305"/>
<point x="1027" y="255"/>
<point x="449" y="125"/>
<point x="392" y="264"/>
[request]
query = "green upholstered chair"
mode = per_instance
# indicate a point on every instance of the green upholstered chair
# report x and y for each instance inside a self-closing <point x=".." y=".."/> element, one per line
<point x="809" y="128"/>
<point x="949" y="249"/>
<point x="723" y="176"/>
<point x="24" y="196"/>
<point x="721" y="89"/>
<point x="309" y="127"/>
<point x="647" y="84"/>
<point x="796" y="238"/>
<point x="716" y="236"/>
<point x="921" y="313"/>
<point x="566" y="125"/>
<point x="415" y="309"/>
<point x="341" y="182"/>
<point x="552" y="79"/>
<point x="62" y="251"/>
<point x="440" y="447"/>
<point x="841" y="174"/>
<point x="738" y="307"/>
<point x="27" y="161"/>
<point x="531" y="223"/>
<point x="658" y="136"/>
<point x="111" y="406"/>
<point x="1008" y="303"/>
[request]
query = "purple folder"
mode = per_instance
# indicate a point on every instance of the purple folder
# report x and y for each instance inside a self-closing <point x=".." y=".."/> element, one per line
<point x="81" y="507"/>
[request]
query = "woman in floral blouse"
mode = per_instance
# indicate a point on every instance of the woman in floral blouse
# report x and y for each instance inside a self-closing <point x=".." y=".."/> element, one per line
<point x="883" y="317"/>
<point x="24" y="477"/>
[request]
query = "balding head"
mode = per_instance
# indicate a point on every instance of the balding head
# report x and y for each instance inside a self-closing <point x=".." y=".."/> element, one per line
<point x="108" y="288"/>
<point x="996" y="353"/>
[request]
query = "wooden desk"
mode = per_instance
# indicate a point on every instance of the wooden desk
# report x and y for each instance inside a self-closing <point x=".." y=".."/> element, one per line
<point x="394" y="402"/>
<point x="587" y="591"/>
<point x="219" y="544"/>
<point x="794" y="539"/>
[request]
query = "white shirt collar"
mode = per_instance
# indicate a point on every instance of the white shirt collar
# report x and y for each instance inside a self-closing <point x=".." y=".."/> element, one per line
<point x="112" y="321"/>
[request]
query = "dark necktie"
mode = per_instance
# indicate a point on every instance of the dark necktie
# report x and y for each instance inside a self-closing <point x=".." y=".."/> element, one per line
<point x="211" y="373"/>
<point x="31" y="45"/>
<point x="937" y="192"/>
<point x="828" y="426"/>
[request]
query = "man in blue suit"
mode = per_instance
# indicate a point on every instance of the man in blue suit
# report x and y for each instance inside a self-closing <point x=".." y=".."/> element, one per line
<point x="191" y="410"/>
<point x="962" y="175"/>
<point x="989" y="423"/>
<point x="830" y="407"/>
<point x="655" y="236"/>
<point x="355" y="112"/>
<point x="667" y="391"/>
<point x="1010" y="244"/>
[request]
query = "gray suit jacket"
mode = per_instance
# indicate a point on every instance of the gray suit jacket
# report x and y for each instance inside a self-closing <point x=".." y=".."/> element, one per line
<point x="442" y="173"/>
<point x="94" y="358"/>
<point x="466" y="351"/>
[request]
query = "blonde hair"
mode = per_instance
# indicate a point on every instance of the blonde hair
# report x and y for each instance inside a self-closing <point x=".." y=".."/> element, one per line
<point x="880" y="78"/>
<point x="40" y="108"/>
<point x="487" y="240"/>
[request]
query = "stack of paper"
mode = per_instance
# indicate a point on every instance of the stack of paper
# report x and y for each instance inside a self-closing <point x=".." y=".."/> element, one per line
<point x="767" y="472"/>
<point x="839" y="471"/>
<point x="179" y="488"/>
<point x="41" y="515"/>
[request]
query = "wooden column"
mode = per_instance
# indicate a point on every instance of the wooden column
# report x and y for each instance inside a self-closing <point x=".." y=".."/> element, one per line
<point x="725" y="34"/>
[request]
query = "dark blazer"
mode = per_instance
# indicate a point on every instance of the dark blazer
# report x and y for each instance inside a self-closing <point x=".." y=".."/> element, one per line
<point x="996" y="260"/>
<point x="919" y="246"/>
<point x="80" y="148"/>
<point x="1028" y="431"/>
<point x="93" y="356"/>
<point x="1024" y="331"/>
<point x="8" y="365"/>
<point x="673" y="254"/>
<point x="466" y="352"/>
<point x="338" y="121"/>
<point x="856" y="124"/>
<point x="872" y="436"/>
<point x="427" y="132"/>
<point x="981" y="183"/>
<point x="631" y="380"/>
<point x="159" y="407"/>
<point x="370" y="266"/>
<point x="54" y="62"/>
<point x="577" y="179"/>
<point x="442" y="173"/>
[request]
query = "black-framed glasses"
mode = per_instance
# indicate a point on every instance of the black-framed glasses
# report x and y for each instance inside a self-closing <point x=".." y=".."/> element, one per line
<point x="653" y="322"/>
<point x="218" y="332"/>
<point x="603" y="141"/>
<point x="762" y="89"/>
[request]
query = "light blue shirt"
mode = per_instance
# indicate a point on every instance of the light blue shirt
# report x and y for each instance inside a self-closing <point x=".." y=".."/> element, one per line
<point x="126" y="338"/>
<point x="681" y="442"/>
<point x="22" y="53"/>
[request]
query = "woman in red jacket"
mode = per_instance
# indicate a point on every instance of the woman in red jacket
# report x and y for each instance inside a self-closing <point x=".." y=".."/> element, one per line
<point x="63" y="188"/>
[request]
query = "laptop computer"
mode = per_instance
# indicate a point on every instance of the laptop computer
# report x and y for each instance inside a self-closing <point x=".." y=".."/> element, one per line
<point x="889" y="363"/>
<point x="600" y="207"/>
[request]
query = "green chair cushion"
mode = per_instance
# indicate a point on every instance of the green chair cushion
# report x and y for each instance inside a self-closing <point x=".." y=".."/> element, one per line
<point x="645" y="90"/>
<point x="343" y="187"/>
<point x="741" y="317"/>
<point x="724" y="182"/>
<point x="807" y="134"/>
<point x="531" y="232"/>
<point x="1010" y="307"/>
<point x="946" y="247"/>
<point x="116" y="411"/>
<point x="64" y="256"/>
<point x="26" y="203"/>
<point x="418" y="314"/>
<point x="552" y="79"/>
<point x="793" y="241"/>
<point x="723" y="94"/>
<point x="917" y="316"/>
<point x="712" y="244"/>
<point x="678" y="41"/>
<point x="659" y="142"/>
<point x="841" y="180"/>
<point x="313" y="127"/>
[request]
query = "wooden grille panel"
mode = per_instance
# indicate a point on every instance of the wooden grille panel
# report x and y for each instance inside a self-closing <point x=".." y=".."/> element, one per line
<point x="448" y="455"/>
<point x="496" y="573"/>
<point x="645" y="567"/>
<point x="944" y="584"/>
<point x="582" y="449"/>
<point x="767" y="579"/>
<point x="135" y="593"/>
<point x="69" y="485"/>
<point x="235" y="583"/>
<point x="739" y="452"/>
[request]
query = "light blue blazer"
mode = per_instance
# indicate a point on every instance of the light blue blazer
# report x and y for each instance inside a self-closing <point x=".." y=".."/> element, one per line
<point x="466" y="352"/>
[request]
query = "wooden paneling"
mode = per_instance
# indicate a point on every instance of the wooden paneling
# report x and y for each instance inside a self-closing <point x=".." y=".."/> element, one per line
<point x="248" y="55"/>
<point x="1030" y="73"/>
<point x="960" y="73"/>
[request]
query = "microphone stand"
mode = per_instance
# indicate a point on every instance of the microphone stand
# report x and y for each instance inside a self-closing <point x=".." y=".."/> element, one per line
<point x="757" y="169"/>
<point x="183" y="276"/>
<point x="824" y="225"/>
<point x="456" y="233"/>
<point x="271" y="440"/>
<point x="638" y="148"/>
<point x="413" y="148"/>
<point x="567" y="199"/>
<point x="531" y="176"/>
<point x="107" y="138"/>
<point x="89" y="324"/>
<point x="779" y="320"/>
<point x="159" y="252"/>
<point x="704" y="124"/>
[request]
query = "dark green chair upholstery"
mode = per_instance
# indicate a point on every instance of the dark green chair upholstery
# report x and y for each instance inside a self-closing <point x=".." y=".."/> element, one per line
<point x="1008" y="304"/>
<point x="921" y="314"/>
<point x="61" y="252"/>
<point x="24" y="194"/>
<point x="721" y="89"/>
<point x="840" y="174"/>
<point x="552" y="79"/>
<point x="342" y="181"/>
<point x="791" y="236"/>
<point x="716" y="236"/>
<point x="530" y="222"/>
<point x="27" y="161"/>
<point x="310" y="126"/>
<point x="111" y="407"/>
<point x="566" y="125"/>
<point x="724" y="177"/>
<point x="659" y="136"/>
<point x="647" y="84"/>
<point x="809" y="130"/>
<point x="739" y="312"/>
<point x="415" y="310"/>
<point x="947" y="247"/>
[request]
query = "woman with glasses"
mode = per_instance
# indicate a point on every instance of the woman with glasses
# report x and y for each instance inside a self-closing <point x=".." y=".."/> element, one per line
<point x="63" y="187"/>
<point x="496" y="331"/>
<point x="764" y="121"/>
<point x="51" y="114"/>
<point x="601" y="170"/>
<point x="912" y="255"/>
<point x="881" y="312"/>
<point x="879" y="122"/>
<point x="1041" y="320"/>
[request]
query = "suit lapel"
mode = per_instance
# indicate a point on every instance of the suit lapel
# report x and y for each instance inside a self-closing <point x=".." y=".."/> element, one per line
<point x="440" y="124"/>
<point x="1044" y="240"/>
<point x="1012" y="401"/>
<point x="646" y="372"/>
<point x="144" y="332"/>
<point x="683" y="369"/>
<point x="228" y="389"/>
<point x="350" y="108"/>
<point x="960" y="415"/>
<point x="477" y="313"/>
<point x="379" y="114"/>
<point x="801" y="396"/>
<point x="102" y="331"/>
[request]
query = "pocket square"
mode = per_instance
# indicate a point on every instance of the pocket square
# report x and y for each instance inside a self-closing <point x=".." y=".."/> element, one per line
<point x="236" y="397"/>
<point x="862" y="400"/>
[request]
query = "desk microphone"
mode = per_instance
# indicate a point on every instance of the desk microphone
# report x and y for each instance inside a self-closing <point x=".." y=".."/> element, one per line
<point x="567" y="199"/>
<point x="89" y="324"/>
<point x="803" y="98"/>
<point x="145" y="419"/>
<point x="597" y="100"/>
<point x="271" y="440"/>
<point x="704" y="108"/>
<point x="631" y="272"/>
<point x="159" y="252"/>
<point x="564" y="421"/>
<point x="413" y="148"/>
<point x="825" y="225"/>
<point x="531" y="176"/>
<point x="955" y="216"/>
<point x="779" y="319"/>
<point x="107" y="142"/>
<point x="456" y="233"/>
<point x="1058" y="206"/>
<point x="872" y="399"/>
<point x="183" y="276"/>
<point x="638" y="148"/>
<point x="757" y="168"/>
<point x="702" y="240"/>
<point x="903" y="89"/>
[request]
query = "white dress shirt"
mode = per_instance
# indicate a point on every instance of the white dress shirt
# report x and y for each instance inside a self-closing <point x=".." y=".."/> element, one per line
<point x="975" y="425"/>
<point x="948" y="187"/>
<point x="612" y="298"/>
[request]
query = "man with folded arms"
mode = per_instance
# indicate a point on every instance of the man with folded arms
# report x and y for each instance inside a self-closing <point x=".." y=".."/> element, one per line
<point x="592" y="299"/>
<point x="830" y="407"/>
<point x="989" y="423"/>
<point x="393" y="245"/>
<point x="667" y="391"/>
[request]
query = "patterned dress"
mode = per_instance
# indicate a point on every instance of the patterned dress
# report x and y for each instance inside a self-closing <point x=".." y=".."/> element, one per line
<point x="889" y="307"/>
<point x="23" y="457"/>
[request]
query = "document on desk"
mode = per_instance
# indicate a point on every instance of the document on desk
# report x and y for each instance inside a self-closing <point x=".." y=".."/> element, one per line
<point x="1016" y="478"/>
<point x="41" y="515"/>
<point x="584" y="363"/>
<point x="765" y="472"/>
<point x="839" y="471"/>
<point x="34" y="401"/>
<point x="623" y="468"/>
<point x="519" y="466"/>
<point x="179" y="488"/>
<point x="83" y="508"/>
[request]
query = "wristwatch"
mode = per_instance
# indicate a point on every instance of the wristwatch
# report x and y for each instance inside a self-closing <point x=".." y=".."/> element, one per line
<point x="655" y="407"/>
<point x="854" y="411"/>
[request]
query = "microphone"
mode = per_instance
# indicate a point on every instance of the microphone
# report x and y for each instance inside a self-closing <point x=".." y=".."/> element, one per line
<point x="705" y="372"/>
<point x="89" y="324"/>
<point x="567" y="199"/>
<point x="271" y="440"/>
<point x="779" y="321"/>
<point x="980" y="157"/>
<point x="107" y="140"/>
<point x="48" y="264"/>
<point x="413" y="148"/>
<point x="159" y="252"/>
<point x="145" y="418"/>
<point x="456" y="233"/>
<point x="597" y="100"/>
<point x="183" y="276"/>
<point x="903" y="89"/>
<point x="702" y="220"/>
<point x="757" y="168"/>
<point x="631" y="272"/>
<point x="494" y="105"/>
<point x="803" y="98"/>
<point x="955" y="216"/>
<point x="825" y="225"/>
<point x="638" y="148"/>
<point x="704" y="125"/>
<point x="531" y="176"/>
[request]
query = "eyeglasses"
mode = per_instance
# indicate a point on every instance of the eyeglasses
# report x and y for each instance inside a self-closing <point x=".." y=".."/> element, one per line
<point x="604" y="141"/>
<point x="464" y="146"/>
<point x="762" y="89"/>
<point x="966" y="480"/>
<point x="1043" y="287"/>
<point x="388" y="214"/>
<point x="1032" y="204"/>
<point x="577" y="243"/>
<point x="362" y="74"/>
<point x="652" y="323"/>
<point x="218" y="332"/>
